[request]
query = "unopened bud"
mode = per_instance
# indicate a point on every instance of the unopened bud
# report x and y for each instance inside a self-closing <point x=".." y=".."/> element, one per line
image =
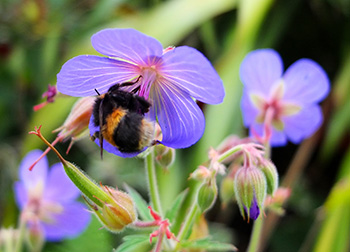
<point x="35" y="237"/>
<point x="201" y="173"/>
<point x="77" y="123"/>
<point x="270" y="172"/>
<point x="207" y="195"/>
<point x="164" y="155"/>
<point x="118" y="213"/>
<point x="250" y="190"/>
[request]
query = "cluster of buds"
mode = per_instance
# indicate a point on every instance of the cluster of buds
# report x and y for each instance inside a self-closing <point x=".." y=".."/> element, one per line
<point x="253" y="181"/>
<point x="250" y="177"/>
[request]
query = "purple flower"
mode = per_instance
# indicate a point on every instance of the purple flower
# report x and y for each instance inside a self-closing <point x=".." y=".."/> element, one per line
<point x="171" y="78"/>
<point x="47" y="199"/>
<point x="284" y="106"/>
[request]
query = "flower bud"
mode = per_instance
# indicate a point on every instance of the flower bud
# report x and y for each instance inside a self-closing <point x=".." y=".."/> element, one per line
<point x="165" y="156"/>
<point x="201" y="173"/>
<point x="77" y="123"/>
<point x="270" y="172"/>
<point x="250" y="190"/>
<point x="118" y="213"/>
<point x="115" y="209"/>
<point x="35" y="237"/>
<point x="207" y="195"/>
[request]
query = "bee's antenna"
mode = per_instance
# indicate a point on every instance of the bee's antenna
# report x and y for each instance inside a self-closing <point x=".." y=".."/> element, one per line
<point x="97" y="91"/>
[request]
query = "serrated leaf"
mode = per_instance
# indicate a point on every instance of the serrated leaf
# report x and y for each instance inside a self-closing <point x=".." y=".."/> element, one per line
<point x="174" y="210"/>
<point x="134" y="243"/>
<point x="208" y="244"/>
<point x="140" y="203"/>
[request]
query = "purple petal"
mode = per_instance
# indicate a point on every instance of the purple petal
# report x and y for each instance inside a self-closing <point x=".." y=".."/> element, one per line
<point x="306" y="81"/>
<point x="39" y="173"/>
<point x="59" y="188"/>
<point x="303" y="124"/>
<point x="254" y="210"/>
<point x="190" y="70"/>
<point x="249" y="111"/>
<point x="260" y="69"/>
<point x="81" y="75"/>
<point x="181" y="120"/>
<point x="278" y="138"/>
<point x="107" y="146"/>
<point x="21" y="195"/>
<point x="127" y="44"/>
<point x="68" y="224"/>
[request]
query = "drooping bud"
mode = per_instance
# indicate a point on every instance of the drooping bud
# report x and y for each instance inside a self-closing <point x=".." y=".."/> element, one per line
<point x="270" y="172"/>
<point x="207" y="195"/>
<point x="165" y="156"/>
<point x="250" y="190"/>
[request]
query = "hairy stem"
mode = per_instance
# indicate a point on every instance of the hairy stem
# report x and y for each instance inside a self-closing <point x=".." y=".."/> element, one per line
<point x="152" y="182"/>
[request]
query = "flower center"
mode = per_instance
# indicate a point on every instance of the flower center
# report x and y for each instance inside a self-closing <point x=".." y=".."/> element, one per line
<point x="273" y="109"/>
<point x="150" y="75"/>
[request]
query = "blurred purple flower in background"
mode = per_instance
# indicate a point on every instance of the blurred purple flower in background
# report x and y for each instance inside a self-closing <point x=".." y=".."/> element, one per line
<point x="171" y="78"/>
<point x="47" y="199"/>
<point x="282" y="106"/>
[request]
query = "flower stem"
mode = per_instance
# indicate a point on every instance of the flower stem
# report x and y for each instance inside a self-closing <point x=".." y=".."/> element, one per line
<point x="187" y="223"/>
<point x="256" y="234"/>
<point x="152" y="182"/>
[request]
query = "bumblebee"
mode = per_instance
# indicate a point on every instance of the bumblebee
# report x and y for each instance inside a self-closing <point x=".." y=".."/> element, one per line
<point x="120" y="117"/>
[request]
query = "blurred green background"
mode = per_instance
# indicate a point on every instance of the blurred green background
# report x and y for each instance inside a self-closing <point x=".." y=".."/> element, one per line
<point x="38" y="36"/>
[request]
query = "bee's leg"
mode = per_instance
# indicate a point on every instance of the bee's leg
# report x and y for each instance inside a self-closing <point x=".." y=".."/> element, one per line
<point x="125" y="84"/>
<point x="95" y="136"/>
<point x="155" y="142"/>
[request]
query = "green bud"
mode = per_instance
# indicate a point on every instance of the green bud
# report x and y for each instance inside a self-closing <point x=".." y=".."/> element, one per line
<point x="250" y="190"/>
<point x="164" y="155"/>
<point x="115" y="216"/>
<point x="207" y="195"/>
<point x="270" y="172"/>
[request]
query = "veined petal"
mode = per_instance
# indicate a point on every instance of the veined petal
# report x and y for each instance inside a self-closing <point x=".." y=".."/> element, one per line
<point x="107" y="146"/>
<point x="260" y="70"/>
<point x="303" y="124"/>
<point x="81" y="75"/>
<point x="181" y="120"/>
<point x="127" y="44"/>
<point x="59" y="188"/>
<point x="68" y="224"/>
<point x="191" y="71"/>
<point x="38" y="175"/>
<point x="306" y="82"/>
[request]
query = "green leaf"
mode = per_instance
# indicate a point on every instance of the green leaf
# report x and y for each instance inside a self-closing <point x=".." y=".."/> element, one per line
<point x="134" y="243"/>
<point x="174" y="210"/>
<point x="141" y="204"/>
<point x="208" y="244"/>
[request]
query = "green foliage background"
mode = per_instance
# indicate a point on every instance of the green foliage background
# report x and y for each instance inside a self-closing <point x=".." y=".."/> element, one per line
<point x="38" y="36"/>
